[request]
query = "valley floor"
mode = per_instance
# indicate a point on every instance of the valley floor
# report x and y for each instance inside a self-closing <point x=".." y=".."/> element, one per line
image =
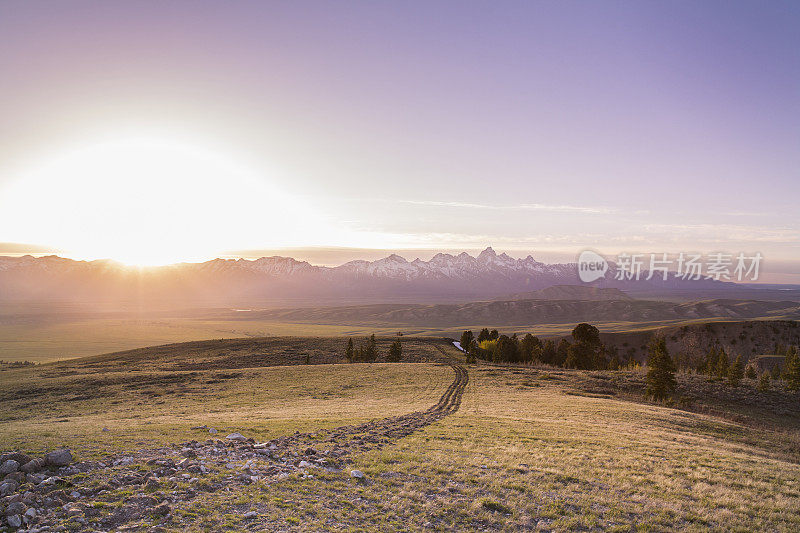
<point x="527" y="448"/>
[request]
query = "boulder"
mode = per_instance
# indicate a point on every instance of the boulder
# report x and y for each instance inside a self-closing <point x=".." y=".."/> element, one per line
<point x="15" y="521"/>
<point x="8" y="467"/>
<point x="21" y="458"/>
<point x="34" y="465"/>
<point x="237" y="437"/>
<point x="358" y="474"/>
<point x="16" y="508"/>
<point x="61" y="457"/>
<point x="7" y="487"/>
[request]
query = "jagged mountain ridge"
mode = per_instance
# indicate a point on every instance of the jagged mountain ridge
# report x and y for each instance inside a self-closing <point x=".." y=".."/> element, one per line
<point x="229" y="281"/>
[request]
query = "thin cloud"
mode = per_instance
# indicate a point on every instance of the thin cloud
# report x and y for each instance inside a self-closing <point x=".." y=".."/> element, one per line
<point x="521" y="207"/>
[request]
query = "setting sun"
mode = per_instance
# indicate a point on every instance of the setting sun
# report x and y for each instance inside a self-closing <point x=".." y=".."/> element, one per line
<point x="151" y="202"/>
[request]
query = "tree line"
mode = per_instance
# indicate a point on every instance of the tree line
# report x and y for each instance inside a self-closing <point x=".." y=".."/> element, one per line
<point x="585" y="352"/>
<point x="367" y="351"/>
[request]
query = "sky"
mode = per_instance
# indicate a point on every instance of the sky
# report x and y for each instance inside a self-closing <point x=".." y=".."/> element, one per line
<point x="162" y="131"/>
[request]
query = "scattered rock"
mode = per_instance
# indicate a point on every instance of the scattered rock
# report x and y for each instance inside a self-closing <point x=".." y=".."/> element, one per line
<point x="7" y="487"/>
<point x="61" y="457"/>
<point x="8" y="467"/>
<point x="249" y="515"/>
<point x="34" y="465"/>
<point x="236" y="437"/>
<point x="14" y="520"/>
<point x="16" y="508"/>
<point x="213" y="431"/>
<point x="162" y="509"/>
<point x="358" y="474"/>
<point x="304" y="464"/>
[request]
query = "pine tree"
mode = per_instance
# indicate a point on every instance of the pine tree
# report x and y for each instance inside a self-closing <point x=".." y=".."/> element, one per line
<point x="660" y="370"/>
<point x="350" y="353"/>
<point x="763" y="382"/>
<point x="792" y="371"/>
<point x="395" y="352"/>
<point x="530" y="347"/>
<point x="494" y="335"/>
<point x="736" y="372"/>
<point x="750" y="372"/>
<point x="722" y="365"/>
<point x="466" y="340"/>
<point x="548" y="352"/>
<point x="562" y="350"/>
<point x="775" y="372"/>
<point x="483" y="335"/>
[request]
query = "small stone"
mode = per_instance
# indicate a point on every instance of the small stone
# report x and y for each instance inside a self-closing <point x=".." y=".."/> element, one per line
<point x="75" y="494"/>
<point x="237" y="437"/>
<point x="105" y="429"/>
<point x="162" y="510"/>
<point x="311" y="451"/>
<point x="304" y="464"/>
<point x="358" y="474"/>
<point x="14" y="520"/>
<point x="61" y="457"/>
<point x="7" y="487"/>
<point x="16" y="508"/>
<point x="8" y="467"/>
<point x="249" y="515"/>
<point x="30" y="513"/>
<point x="213" y="431"/>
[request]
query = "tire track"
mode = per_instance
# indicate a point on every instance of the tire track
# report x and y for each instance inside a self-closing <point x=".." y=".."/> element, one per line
<point x="379" y="433"/>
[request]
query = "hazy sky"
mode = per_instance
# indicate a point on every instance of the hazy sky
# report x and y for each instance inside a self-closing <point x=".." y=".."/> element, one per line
<point x="549" y="126"/>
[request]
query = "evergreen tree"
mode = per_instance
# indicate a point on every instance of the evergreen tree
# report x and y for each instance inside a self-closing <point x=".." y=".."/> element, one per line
<point x="483" y="335"/>
<point x="763" y="382"/>
<point x="562" y="351"/>
<point x="721" y="370"/>
<point x="750" y="372"/>
<point x="586" y="353"/>
<point x="736" y="372"/>
<point x="466" y="340"/>
<point x="350" y="353"/>
<point x="395" y="352"/>
<point x="775" y="372"/>
<point x="792" y="371"/>
<point x="548" y="352"/>
<point x="368" y="351"/>
<point x="660" y="370"/>
<point x="494" y="335"/>
<point x="530" y="347"/>
<point x="505" y="350"/>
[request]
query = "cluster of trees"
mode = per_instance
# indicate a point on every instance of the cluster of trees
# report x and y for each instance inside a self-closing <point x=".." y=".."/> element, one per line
<point x="367" y="351"/>
<point x="717" y="365"/>
<point x="585" y="352"/>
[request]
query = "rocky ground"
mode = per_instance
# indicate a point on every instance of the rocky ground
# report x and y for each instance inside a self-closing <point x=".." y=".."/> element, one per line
<point x="143" y="488"/>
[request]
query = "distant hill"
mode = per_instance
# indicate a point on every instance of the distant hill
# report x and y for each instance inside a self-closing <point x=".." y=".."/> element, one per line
<point x="526" y="312"/>
<point x="569" y="292"/>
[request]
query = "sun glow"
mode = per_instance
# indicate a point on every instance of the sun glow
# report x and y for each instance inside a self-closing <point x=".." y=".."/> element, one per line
<point x="151" y="202"/>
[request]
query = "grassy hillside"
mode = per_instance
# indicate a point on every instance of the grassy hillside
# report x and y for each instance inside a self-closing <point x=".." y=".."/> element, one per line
<point x="529" y="448"/>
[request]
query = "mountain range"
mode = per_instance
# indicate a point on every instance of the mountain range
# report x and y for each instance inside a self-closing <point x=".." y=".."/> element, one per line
<point x="280" y="280"/>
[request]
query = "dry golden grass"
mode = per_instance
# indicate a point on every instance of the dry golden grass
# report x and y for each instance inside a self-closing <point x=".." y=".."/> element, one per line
<point x="521" y="453"/>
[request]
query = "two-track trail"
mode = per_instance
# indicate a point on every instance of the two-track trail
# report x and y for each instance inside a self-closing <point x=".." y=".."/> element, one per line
<point x="379" y="433"/>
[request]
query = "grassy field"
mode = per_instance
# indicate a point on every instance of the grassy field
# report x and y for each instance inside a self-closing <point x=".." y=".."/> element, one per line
<point x="58" y="338"/>
<point x="530" y="448"/>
